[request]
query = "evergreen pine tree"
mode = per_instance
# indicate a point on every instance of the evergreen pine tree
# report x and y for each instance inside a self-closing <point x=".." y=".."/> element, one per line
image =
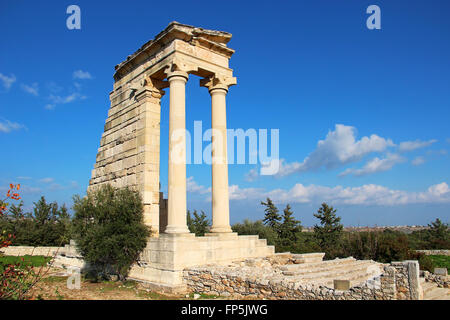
<point x="290" y="227"/>
<point x="271" y="217"/>
<point x="438" y="234"/>
<point x="329" y="233"/>
<point x="16" y="211"/>
<point x="199" y="224"/>
<point x="438" y="229"/>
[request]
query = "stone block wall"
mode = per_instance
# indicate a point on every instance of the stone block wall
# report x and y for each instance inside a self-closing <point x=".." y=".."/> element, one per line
<point x="128" y="155"/>
<point x="31" y="251"/>
<point x="439" y="252"/>
<point x="393" y="284"/>
<point x="407" y="280"/>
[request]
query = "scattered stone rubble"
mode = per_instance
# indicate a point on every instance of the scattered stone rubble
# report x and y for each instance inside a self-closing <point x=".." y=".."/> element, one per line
<point x="440" y="280"/>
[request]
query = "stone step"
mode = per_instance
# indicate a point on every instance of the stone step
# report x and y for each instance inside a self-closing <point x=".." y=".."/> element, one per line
<point x="338" y="273"/>
<point x="308" y="257"/>
<point x="321" y="268"/>
<point x="261" y="243"/>
<point x="356" y="276"/>
<point x="331" y="271"/>
<point x="315" y="265"/>
<point x="355" y="279"/>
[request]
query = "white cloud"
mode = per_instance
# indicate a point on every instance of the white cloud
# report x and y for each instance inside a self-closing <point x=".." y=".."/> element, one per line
<point x="56" y="187"/>
<point x="80" y="74"/>
<point x="23" y="178"/>
<point x="339" y="147"/>
<point x="418" y="161"/>
<point x="30" y="190"/>
<point x="24" y="189"/>
<point x="364" y="195"/>
<point x="7" y="81"/>
<point x="7" y="126"/>
<point x="369" y="194"/>
<point x="193" y="187"/>
<point x="47" y="180"/>
<point x="66" y="99"/>
<point x="413" y="145"/>
<point x="57" y="99"/>
<point x="33" y="89"/>
<point x="375" y="165"/>
<point x="53" y="87"/>
<point x="236" y="193"/>
<point x="252" y="175"/>
<point x="441" y="152"/>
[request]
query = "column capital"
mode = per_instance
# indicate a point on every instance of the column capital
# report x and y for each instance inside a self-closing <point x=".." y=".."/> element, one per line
<point x="179" y="68"/>
<point x="218" y="82"/>
<point x="148" y="87"/>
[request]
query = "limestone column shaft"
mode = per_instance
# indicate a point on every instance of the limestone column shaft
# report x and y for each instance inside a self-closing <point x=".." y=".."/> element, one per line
<point x="176" y="216"/>
<point x="220" y="199"/>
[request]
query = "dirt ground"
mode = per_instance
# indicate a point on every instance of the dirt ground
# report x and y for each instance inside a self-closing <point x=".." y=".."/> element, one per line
<point x="53" y="286"/>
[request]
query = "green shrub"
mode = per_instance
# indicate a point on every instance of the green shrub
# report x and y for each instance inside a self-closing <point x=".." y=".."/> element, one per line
<point x="199" y="224"/>
<point x="256" y="228"/>
<point x="440" y="261"/>
<point x="47" y="225"/>
<point x="109" y="230"/>
<point x="426" y="263"/>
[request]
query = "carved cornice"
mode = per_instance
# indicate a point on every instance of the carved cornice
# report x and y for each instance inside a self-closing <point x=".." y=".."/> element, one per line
<point x="212" y="40"/>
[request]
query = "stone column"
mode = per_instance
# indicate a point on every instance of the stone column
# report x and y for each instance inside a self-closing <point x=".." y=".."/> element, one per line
<point x="176" y="215"/>
<point x="218" y="88"/>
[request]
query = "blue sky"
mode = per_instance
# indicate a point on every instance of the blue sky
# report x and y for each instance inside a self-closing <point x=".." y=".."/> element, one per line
<point x="362" y="114"/>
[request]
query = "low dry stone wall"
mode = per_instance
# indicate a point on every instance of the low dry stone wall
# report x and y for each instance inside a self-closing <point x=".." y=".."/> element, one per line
<point x="435" y="252"/>
<point x="202" y="281"/>
<point x="31" y="251"/>
<point x="399" y="280"/>
<point x="406" y="279"/>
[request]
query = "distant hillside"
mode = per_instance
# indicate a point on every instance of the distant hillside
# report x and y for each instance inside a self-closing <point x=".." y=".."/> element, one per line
<point x="405" y="229"/>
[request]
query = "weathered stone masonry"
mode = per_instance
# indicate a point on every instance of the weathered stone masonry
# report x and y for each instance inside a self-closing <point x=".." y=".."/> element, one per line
<point x="397" y="281"/>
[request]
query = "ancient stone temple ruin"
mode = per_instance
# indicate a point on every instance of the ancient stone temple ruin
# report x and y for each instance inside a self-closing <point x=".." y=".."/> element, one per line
<point x="129" y="152"/>
<point x="221" y="262"/>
